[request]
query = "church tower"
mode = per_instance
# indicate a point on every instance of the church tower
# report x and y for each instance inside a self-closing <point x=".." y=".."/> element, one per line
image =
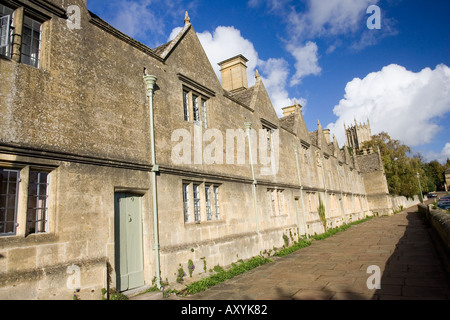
<point x="358" y="134"/>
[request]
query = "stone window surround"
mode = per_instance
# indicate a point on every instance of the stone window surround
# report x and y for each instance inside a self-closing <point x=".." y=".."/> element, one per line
<point x="18" y="16"/>
<point x="194" y="100"/>
<point x="22" y="200"/>
<point x="190" y="216"/>
<point x="277" y="202"/>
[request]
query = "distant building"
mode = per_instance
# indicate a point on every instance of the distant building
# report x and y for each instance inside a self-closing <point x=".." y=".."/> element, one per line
<point x="358" y="134"/>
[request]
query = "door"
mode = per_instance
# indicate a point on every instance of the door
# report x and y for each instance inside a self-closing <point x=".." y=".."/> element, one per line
<point x="128" y="241"/>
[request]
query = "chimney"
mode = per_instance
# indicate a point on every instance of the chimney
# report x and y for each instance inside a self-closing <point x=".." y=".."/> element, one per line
<point x="326" y="133"/>
<point x="234" y="73"/>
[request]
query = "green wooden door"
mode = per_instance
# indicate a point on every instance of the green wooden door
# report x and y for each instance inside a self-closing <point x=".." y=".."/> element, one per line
<point x="128" y="240"/>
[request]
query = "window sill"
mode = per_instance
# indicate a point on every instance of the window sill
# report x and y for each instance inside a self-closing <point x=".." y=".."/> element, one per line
<point x="194" y="224"/>
<point x="280" y="216"/>
<point x="38" y="238"/>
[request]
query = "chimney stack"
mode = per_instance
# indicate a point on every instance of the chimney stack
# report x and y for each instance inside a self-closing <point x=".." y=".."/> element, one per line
<point x="326" y="133"/>
<point x="234" y="73"/>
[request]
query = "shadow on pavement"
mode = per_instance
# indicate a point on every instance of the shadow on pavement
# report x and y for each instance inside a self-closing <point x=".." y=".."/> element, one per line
<point x="414" y="271"/>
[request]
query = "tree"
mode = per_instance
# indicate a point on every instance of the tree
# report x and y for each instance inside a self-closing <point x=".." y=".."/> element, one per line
<point x="435" y="172"/>
<point x="401" y="170"/>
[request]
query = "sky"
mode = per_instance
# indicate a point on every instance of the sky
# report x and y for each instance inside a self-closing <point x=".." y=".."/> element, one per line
<point x="342" y="60"/>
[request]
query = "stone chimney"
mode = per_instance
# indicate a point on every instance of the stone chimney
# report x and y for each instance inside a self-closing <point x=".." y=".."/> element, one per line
<point x="234" y="73"/>
<point x="326" y="133"/>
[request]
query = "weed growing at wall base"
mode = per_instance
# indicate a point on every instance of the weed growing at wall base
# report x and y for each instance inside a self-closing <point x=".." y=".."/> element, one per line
<point x="223" y="275"/>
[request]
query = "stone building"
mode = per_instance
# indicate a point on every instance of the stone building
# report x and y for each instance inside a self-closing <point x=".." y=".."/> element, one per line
<point x="358" y="134"/>
<point x="120" y="163"/>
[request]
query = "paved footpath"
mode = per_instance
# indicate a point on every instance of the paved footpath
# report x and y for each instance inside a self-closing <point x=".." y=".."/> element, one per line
<point x="336" y="267"/>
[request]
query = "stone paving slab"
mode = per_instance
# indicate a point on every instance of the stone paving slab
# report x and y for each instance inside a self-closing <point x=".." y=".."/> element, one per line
<point x="336" y="267"/>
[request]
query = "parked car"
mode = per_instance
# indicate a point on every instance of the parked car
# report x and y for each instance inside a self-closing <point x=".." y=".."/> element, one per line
<point x="444" y="205"/>
<point x="432" y="195"/>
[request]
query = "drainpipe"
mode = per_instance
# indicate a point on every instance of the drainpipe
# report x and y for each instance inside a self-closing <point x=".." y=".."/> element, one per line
<point x="248" y="126"/>
<point x="150" y="82"/>
<point x="301" y="193"/>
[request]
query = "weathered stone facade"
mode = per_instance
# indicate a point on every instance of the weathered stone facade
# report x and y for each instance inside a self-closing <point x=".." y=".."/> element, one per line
<point x="83" y="119"/>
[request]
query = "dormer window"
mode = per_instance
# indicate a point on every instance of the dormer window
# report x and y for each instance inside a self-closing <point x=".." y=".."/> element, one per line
<point x="31" y="42"/>
<point x="195" y="107"/>
<point x="196" y="101"/>
<point x="21" y="25"/>
<point x="6" y="28"/>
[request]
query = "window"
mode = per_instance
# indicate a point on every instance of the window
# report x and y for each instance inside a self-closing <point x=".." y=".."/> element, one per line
<point x="277" y="202"/>
<point x="31" y="42"/>
<point x="37" y="214"/>
<point x="36" y="197"/>
<point x="186" y="105"/>
<point x="216" y="202"/>
<point x="9" y="189"/>
<point x="197" y="203"/>
<point x="306" y="155"/>
<point x="269" y="133"/>
<point x="196" y="111"/>
<point x="195" y="107"/>
<point x="205" y="113"/>
<point x="208" y="203"/>
<point x="6" y="22"/>
<point x="186" y="202"/>
<point x="30" y="39"/>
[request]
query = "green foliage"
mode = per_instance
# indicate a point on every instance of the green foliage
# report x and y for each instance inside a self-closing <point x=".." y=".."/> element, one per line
<point x="218" y="269"/>
<point x="401" y="167"/>
<point x="286" y="240"/>
<point x="321" y="211"/>
<point x="223" y="275"/>
<point x="204" y="263"/>
<point x="191" y="267"/>
<point x="296" y="246"/>
<point x="181" y="274"/>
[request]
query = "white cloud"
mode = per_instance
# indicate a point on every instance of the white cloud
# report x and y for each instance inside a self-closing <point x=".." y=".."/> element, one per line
<point x="226" y="42"/>
<point x="403" y="103"/>
<point x="137" y="18"/>
<point x="330" y="18"/>
<point x="306" y="61"/>
<point x="276" y="73"/>
<point x="440" y="156"/>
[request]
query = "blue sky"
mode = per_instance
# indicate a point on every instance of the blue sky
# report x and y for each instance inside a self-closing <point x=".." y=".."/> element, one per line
<point x="322" y="54"/>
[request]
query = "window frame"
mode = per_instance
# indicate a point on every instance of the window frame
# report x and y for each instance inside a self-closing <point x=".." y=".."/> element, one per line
<point x="9" y="30"/>
<point x="195" y="107"/>
<point x="200" y="202"/>
<point x="40" y="213"/>
<point x="23" y="18"/>
<point x="23" y="198"/>
<point x="4" y="222"/>
<point x="37" y="60"/>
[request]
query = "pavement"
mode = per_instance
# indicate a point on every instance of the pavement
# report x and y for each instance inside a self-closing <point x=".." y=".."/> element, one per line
<point x="341" y="266"/>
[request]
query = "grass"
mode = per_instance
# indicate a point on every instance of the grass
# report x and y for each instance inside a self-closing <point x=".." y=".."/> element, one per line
<point x="223" y="275"/>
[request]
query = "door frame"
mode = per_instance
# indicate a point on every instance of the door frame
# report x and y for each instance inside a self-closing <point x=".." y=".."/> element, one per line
<point x="119" y="230"/>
